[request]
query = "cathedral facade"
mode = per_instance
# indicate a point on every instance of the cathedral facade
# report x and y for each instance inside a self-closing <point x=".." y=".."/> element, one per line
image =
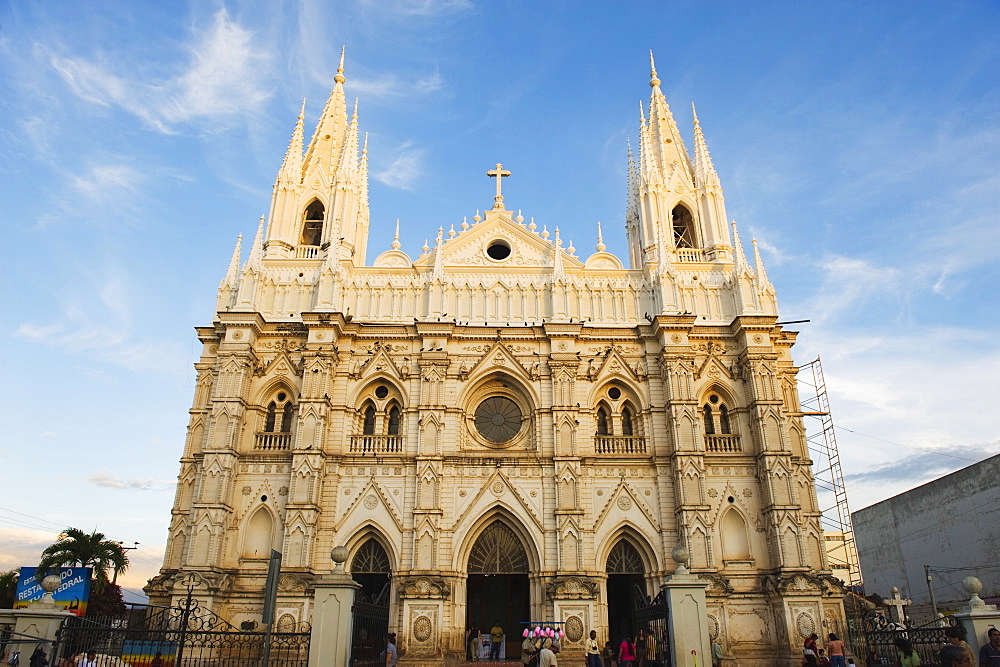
<point x="500" y="429"/>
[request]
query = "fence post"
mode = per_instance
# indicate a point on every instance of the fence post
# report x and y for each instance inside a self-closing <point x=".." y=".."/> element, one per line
<point x="977" y="617"/>
<point x="687" y="618"/>
<point x="330" y="640"/>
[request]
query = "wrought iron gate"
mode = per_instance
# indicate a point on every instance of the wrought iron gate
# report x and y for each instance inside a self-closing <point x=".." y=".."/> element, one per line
<point x="371" y="625"/>
<point x="654" y="619"/>
<point x="873" y="638"/>
<point x="187" y="635"/>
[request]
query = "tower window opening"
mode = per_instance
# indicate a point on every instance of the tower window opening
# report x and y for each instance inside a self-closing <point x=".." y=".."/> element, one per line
<point x="627" y="422"/>
<point x="709" y="420"/>
<point x="683" y="226"/>
<point x="394" y="420"/>
<point x="498" y="250"/>
<point x="312" y="226"/>
<point x="602" y="422"/>
<point x="369" y="426"/>
<point x="724" y="420"/>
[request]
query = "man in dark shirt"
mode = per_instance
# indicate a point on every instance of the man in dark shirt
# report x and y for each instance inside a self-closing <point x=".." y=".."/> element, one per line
<point x="989" y="654"/>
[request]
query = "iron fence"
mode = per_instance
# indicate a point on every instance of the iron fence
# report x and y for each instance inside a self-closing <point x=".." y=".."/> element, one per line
<point x="873" y="637"/>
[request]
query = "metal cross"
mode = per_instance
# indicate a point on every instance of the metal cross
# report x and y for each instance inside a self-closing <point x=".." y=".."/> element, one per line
<point x="498" y="174"/>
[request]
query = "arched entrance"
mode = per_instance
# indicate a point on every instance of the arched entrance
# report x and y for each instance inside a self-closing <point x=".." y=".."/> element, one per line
<point x="498" y="587"/>
<point x="626" y="589"/>
<point x="370" y="568"/>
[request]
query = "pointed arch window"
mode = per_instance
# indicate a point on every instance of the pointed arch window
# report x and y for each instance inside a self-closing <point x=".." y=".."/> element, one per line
<point x="627" y="422"/>
<point x="369" y="426"/>
<point x="625" y="559"/>
<point x="709" y="420"/>
<point x="269" y="420"/>
<point x="286" y="417"/>
<point x="724" y="420"/>
<point x="498" y="551"/>
<point x="602" y="422"/>
<point x="683" y="226"/>
<point x="393" y="420"/>
<point x="312" y="225"/>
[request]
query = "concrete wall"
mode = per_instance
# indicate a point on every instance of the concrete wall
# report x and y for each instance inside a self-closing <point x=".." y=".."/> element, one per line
<point x="951" y="522"/>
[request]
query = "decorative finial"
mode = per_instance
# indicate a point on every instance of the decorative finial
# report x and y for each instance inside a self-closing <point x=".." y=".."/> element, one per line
<point x="451" y="232"/>
<point x="498" y="173"/>
<point x="571" y="249"/>
<point x="477" y="218"/>
<point x="302" y="111"/>
<point x="426" y="248"/>
<point x="354" y="116"/>
<point x="339" y="78"/>
<point x="545" y="231"/>
<point x="465" y="222"/>
<point x="519" y="218"/>
<point x="694" y="112"/>
<point x="440" y="237"/>
<point x="364" y="148"/>
<point x="532" y="226"/>
<point x="600" y="239"/>
<point x="642" y="114"/>
<point x="653" y="81"/>
<point x="396" y="245"/>
<point x="558" y="240"/>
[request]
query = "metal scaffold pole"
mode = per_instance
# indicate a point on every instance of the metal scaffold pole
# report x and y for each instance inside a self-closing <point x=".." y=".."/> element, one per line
<point x="827" y="473"/>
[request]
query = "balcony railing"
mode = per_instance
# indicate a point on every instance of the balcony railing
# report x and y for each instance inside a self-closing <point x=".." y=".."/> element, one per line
<point x="723" y="443"/>
<point x="307" y="252"/>
<point x="690" y="255"/>
<point x="619" y="444"/>
<point x="387" y="444"/>
<point x="273" y="441"/>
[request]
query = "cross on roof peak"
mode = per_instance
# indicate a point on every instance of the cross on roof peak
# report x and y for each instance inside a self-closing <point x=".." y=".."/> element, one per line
<point x="498" y="174"/>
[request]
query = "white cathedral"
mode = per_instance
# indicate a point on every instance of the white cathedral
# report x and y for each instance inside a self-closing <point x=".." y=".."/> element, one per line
<point x="499" y="429"/>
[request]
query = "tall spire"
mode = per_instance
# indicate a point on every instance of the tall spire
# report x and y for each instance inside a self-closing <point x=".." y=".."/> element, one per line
<point x="255" y="260"/>
<point x="291" y="168"/>
<point x="349" y="158"/>
<point x="396" y="245"/>
<point x="664" y="135"/>
<point x="762" y="280"/>
<point x="232" y="277"/>
<point x="705" y="175"/>
<point x="363" y="178"/>
<point x="600" y="239"/>
<point x="329" y="135"/>
<point x="740" y="265"/>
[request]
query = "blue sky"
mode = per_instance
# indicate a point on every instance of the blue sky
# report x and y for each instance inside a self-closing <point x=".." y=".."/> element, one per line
<point x="858" y="142"/>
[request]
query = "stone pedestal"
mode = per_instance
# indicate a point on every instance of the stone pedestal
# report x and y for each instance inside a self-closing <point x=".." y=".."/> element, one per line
<point x="685" y="595"/>
<point x="39" y="621"/>
<point x="332" y="619"/>
<point x="976" y="616"/>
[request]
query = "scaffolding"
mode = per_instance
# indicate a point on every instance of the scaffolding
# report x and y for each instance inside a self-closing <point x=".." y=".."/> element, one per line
<point x="827" y="474"/>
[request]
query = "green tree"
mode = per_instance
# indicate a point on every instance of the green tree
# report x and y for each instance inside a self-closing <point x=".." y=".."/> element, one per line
<point x="8" y="588"/>
<point x="75" y="547"/>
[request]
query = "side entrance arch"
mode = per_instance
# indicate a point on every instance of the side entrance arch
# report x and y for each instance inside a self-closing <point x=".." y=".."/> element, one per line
<point x="626" y="589"/>
<point x="498" y="587"/>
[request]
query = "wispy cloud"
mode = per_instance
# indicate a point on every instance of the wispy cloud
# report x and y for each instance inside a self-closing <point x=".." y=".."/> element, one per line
<point x="115" y="482"/>
<point x="404" y="170"/>
<point x="225" y="77"/>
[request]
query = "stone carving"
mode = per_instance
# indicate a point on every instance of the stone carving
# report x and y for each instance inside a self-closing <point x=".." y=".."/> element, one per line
<point x="572" y="588"/>
<point x="422" y="628"/>
<point x="713" y="627"/>
<point x="425" y="588"/>
<point x="805" y="624"/>
<point x="574" y="629"/>
<point x="371" y="502"/>
<point x="624" y="502"/>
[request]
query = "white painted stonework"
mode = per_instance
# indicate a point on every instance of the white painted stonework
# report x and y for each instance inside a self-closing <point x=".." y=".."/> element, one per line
<point x="650" y="399"/>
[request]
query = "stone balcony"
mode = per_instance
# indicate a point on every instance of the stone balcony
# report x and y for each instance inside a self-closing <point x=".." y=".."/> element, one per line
<point x="307" y="252"/>
<point x="619" y="444"/>
<point x="272" y="442"/>
<point x="726" y="444"/>
<point x="377" y="444"/>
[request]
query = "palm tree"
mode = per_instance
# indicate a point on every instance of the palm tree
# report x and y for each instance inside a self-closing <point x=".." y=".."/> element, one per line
<point x="75" y="547"/>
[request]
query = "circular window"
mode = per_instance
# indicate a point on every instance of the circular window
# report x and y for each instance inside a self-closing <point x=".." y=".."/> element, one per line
<point x="498" y="250"/>
<point x="281" y="396"/>
<point x="615" y="393"/>
<point x="713" y="398"/>
<point x="381" y="391"/>
<point x="498" y="419"/>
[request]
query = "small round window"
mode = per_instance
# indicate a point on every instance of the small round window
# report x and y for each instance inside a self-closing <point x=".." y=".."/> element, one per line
<point x="713" y="398"/>
<point x="615" y="393"/>
<point x="381" y="391"/>
<point x="498" y="250"/>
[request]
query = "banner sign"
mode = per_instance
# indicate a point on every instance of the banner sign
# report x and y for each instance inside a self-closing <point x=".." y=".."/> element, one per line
<point x="72" y="594"/>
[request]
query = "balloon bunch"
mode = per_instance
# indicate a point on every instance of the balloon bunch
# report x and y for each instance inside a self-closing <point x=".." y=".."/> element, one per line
<point x="538" y="632"/>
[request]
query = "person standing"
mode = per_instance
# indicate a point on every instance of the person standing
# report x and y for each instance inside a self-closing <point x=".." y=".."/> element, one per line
<point x="391" y="656"/>
<point x="955" y="636"/>
<point x="835" y="649"/>
<point x="529" y="648"/>
<point x="546" y="657"/>
<point x="952" y="655"/>
<point x="640" y="648"/>
<point x="90" y="660"/>
<point x="809" y="649"/>
<point x="593" y="651"/>
<point x="989" y="654"/>
<point x="626" y="652"/>
<point x="906" y="655"/>
<point x="472" y="641"/>
<point x="716" y="653"/>
<point x="496" y="637"/>
<point x="38" y="658"/>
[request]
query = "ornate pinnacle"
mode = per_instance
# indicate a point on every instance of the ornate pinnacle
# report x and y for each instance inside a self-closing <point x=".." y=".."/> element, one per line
<point x="396" y="245"/>
<point x="339" y="78"/>
<point x="600" y="239"/>
<point x="653" y="81"/>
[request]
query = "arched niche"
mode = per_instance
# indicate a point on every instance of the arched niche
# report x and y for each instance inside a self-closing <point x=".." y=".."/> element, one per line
<point x="312" y="223"/>
<point x="735" y="537"/>
<point x="259" y="535"/>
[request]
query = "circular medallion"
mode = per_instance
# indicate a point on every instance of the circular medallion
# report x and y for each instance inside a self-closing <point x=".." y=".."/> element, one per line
<point x="422" y="629"/>
<point x="713" y="627"/>
<point x="371" y="502"/>
<point x="805" y="624"/>
<point x="497" y="488"/>
<point x="574" y="629"/>
<point x="498" y="419"/>
<point x="624" y="503"/>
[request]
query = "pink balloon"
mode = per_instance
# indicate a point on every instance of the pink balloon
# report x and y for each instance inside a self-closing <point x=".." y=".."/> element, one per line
<point x="525" y="633"/>
<point x="562" y="633"/>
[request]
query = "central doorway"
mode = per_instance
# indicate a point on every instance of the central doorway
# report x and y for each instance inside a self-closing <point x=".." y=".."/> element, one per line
<point x="626" y="590"/>
<point x="497" y="589"/>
